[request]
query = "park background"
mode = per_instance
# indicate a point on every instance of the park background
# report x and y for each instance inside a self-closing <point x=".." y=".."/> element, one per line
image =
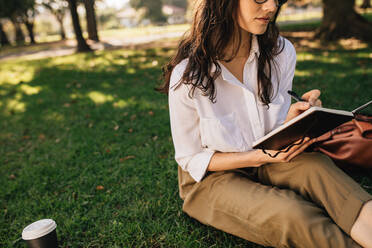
<point x="85" y="139"/>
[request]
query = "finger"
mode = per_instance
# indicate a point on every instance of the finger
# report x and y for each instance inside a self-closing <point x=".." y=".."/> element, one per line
<point x="311" y="96"/>
<point x="300" y="150"/>
<point x="282" y="155"/>
<point x="318" y="103"/>
<point x="315" y="93"/>
<point x="301" y="106"/>
<point x="297" y="145"/>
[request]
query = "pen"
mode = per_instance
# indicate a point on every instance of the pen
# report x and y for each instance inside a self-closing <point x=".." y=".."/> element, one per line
<point x="295" y="96"/>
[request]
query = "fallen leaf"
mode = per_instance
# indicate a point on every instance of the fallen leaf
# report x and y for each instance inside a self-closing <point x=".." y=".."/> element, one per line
<point x="133" y="117"/>
<point x="67" y="105"/>
<point x="12" y="177"/>
<point x="58" y="140"/>
<point x="130" y="130"/>
<point x="154" y="138"/>
<point x="26" y="137"/>
<point x="116" y="127"/>
<point x="41" y="137"/>
<point x="151" y="113"/>
<point x="108" y="151"/>
<point x="100" y="187"/>
<point x="126" y="158"/>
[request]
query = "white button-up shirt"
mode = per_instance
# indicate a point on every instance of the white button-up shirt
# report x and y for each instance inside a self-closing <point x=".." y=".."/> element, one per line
<point x="237" y="118"/>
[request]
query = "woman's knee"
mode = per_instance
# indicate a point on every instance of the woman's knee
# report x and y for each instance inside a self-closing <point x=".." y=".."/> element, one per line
<point x="313" y="162"/>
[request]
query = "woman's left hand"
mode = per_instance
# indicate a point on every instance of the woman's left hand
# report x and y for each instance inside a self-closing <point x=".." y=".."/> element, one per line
<point x="312" y="99"/>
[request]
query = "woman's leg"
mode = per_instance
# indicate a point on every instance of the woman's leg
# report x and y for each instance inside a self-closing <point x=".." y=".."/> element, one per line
<point x="232" y="202"/>
<point x="362" y="229"/>
<point x="316" y="178"/>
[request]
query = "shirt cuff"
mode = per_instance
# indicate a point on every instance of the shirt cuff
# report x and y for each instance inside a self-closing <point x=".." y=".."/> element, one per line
<point x="198" y="165"/>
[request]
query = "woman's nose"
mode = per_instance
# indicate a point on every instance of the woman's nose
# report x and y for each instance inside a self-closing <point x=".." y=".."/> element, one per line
<point x="270" y="5"/>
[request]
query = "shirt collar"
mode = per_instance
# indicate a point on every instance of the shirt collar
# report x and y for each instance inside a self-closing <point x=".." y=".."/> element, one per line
<point x="255" y="51"/>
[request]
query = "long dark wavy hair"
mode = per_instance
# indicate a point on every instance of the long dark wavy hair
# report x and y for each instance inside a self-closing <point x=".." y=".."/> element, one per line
<point x="213" y="28"/>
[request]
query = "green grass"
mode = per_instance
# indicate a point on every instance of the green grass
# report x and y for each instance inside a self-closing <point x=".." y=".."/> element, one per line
<point x="70" y="124"/>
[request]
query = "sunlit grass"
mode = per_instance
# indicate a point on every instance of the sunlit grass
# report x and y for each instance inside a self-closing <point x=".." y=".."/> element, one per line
<point x="144" y="31"/>
<point x="305" y="16"/>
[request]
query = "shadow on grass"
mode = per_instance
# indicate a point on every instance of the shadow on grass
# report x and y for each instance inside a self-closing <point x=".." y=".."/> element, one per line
<point x="87" y="142"/>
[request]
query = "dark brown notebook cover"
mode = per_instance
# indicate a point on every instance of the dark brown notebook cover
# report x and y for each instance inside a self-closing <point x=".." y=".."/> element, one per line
<point x="311" y="123"/>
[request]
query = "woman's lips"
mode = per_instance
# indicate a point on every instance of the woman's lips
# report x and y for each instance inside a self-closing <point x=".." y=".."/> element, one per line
<point x="263" y="20"/>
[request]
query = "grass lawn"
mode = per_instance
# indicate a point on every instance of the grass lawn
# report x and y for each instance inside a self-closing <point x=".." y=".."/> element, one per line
<point x="85" y="140"/>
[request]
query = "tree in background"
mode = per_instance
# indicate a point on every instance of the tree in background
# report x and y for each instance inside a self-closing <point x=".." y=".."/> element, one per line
<point x="20" y="12"/>
<point x="366" y="4"/>
<point x="4" y="41"/>
<point x="91" y="20"/>
<point x="27" y="13"/>
<point x="82" y="44"/>
<point x="340" y="20"/>
<point x="153" y="9"/>
<point x="3" y="14"/>
<point x="58" y="8"/>
<point x="13" y="13"/>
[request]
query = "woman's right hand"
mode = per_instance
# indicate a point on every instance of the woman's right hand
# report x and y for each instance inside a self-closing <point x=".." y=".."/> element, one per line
<point x="312" y="99"/>
<point x="290" y="154"/>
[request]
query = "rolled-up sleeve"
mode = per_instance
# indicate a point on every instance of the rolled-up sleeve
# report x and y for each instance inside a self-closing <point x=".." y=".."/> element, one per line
<point x="184" y="120"/>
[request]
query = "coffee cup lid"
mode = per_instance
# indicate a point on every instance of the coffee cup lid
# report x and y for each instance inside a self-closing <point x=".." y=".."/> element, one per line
<point x="38" y="229"/>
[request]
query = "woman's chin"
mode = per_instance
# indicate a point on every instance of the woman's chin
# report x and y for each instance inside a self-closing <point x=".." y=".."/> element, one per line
<point x="260" y="31"/>
<point x="257" y="30"/>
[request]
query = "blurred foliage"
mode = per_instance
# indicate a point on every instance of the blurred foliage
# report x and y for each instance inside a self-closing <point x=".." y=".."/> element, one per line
<point x="153" y="12"/>
<point x="178" y="3"/>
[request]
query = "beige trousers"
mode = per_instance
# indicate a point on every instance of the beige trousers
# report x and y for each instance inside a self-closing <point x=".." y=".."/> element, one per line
<point x="308" y="202"/>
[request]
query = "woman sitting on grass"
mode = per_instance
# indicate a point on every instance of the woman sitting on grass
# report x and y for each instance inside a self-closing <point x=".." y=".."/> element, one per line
<point x="227" y="87"/>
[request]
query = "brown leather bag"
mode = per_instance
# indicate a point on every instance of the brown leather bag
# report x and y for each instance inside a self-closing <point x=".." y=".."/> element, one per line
<point x="349" y="143"/>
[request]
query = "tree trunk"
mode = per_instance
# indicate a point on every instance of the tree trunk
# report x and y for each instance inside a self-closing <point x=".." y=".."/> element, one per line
<point x="91" y="20"/>
<point x="30" y="29"/>
<point x="4" y="41"/>
<point x="82" y="45"/>
<point x="19" y="36"/>
<point x="340" y="20"/>
<point x="61" y="28"/>
<point x="366" y="4"/>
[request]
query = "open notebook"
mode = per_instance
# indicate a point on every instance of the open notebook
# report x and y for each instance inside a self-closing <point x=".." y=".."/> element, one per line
<point x="312" y="123"/>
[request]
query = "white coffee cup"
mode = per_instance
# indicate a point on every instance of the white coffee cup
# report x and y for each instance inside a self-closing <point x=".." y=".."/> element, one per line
<point x="41" y="234"/>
